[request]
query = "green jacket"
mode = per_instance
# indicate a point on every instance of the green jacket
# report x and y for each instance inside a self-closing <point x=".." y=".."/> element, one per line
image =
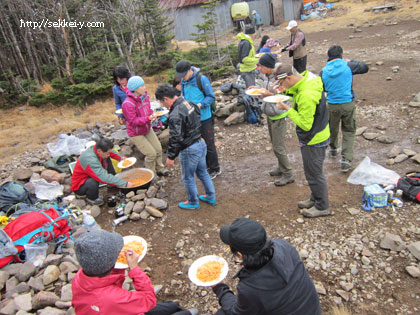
<point x="249" y="62"/>
<point x="306" y="98"/>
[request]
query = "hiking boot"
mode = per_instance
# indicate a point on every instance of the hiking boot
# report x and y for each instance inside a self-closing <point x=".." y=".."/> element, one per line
<point x="193" y="311"/>
<point x="306" y="204"/>
<point x="284" y="180"/>
<point x="214" y="174"/>
<point x="333" y="152"/>
<point x="97" y="202"/>
<point x="345" y="165"/>
<point x="188" y="206"/>
<point x="275" y="172"/>
<point x="80" y="196"/>
<point x="163" y="172"/>
<point x="314" y="212"/>
<point x="209" y="201"/>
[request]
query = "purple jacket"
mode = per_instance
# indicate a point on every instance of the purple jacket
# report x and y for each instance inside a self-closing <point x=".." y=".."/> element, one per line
<point x="136" y="110"/>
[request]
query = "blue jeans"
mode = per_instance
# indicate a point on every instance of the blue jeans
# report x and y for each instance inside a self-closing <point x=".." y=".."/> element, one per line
<point x="193" y="161"/>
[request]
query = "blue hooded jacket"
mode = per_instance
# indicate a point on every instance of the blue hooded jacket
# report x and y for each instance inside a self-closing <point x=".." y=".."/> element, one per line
<point x="192" y="93"/>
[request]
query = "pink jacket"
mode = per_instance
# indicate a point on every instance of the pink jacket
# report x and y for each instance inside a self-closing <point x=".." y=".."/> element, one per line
<point x="95" y="296"/>
<point x="136" y="112"/>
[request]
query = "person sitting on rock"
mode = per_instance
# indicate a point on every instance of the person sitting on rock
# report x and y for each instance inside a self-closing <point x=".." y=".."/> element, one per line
<point x="97" y="287"/>
<point x="93" y="167"/>
<point x="273" y="280"/>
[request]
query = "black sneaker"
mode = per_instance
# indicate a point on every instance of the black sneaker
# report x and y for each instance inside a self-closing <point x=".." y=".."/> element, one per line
<point x="345" y="165"/>
<point x="96" y="202"/>
<point x="214" y="174"/>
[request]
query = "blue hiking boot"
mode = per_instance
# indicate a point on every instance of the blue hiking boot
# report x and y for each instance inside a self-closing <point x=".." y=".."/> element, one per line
<point x="209" y="201"/>
<point x="187" y="206"/>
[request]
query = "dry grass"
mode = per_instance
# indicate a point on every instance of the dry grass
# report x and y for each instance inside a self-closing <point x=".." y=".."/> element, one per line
<point x="339" y="310"/>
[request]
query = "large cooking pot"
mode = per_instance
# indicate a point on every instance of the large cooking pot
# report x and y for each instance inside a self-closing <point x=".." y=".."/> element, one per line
<point x="140" y="177"/>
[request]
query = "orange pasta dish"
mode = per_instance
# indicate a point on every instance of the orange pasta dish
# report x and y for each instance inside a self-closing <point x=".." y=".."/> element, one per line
<point x="255" y="92"/>
<point x="126" y="163"/>
<point x="209" y="271"/>
<point x="134" y="245"/>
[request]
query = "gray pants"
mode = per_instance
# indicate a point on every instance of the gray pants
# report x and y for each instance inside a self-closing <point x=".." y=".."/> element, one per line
<point x="249" y="78"/>
<point x="277" y="131"/>
<point x="313" y="160"/>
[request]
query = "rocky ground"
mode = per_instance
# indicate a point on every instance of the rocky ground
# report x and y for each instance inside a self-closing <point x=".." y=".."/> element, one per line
<point x="368" y="261"/>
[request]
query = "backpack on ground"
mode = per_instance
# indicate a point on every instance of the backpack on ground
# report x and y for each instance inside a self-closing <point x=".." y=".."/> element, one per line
<point x="252" y="110"/>
<point x="33" y="227"/>
<point x="374" y="196"/>
<point x="410" y="185"/>
<point x="59" y="163"/>
<point x="200" y="87"/>
<point x="12" y="195"/>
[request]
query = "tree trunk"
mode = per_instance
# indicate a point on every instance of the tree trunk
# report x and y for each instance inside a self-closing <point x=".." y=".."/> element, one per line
<point x="68" y="48"/>
<point x="54" y="53"/>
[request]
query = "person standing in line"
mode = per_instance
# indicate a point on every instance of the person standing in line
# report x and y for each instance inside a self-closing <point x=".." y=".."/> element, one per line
<point x="185" y="141"/>
<point x="337" y="76"/>
<point x="310" y="115"/>
<point x="247" y="60"/>
<point x="277" y="125"/>
<point x="257" y="22"/>
<point x="121" y="75"/>
<point x="196" y="87"/>
<point x="139" y="116"/>
<point x="262" y="43"/>
<point x="296" y="47"/>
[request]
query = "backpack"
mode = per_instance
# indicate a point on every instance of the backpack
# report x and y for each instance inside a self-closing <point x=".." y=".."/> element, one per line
<point x="12" y="195"/>
<point x="33" y="227"/>
<point x="374" y="196"/>
<point x="200" y="87"/>
<point x="252" y="112"/>
<point x="410" y="185"/>
<point x="59" y="163"/>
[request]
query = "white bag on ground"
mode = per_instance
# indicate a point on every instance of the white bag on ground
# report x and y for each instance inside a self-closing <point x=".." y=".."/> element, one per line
<point x="367" y="173"/>
<point x="45" y="190"/>
<point x="66" y="145"/>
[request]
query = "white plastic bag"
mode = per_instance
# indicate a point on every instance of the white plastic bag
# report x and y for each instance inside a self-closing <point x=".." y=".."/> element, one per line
<point x="36" y="253"/>
<point x="68" y="145"/>
<point x="45" y="190"/>
<point x="367" y="173"/>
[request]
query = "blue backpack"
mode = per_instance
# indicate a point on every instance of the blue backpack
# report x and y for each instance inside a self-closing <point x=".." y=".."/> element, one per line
<point x="252" y="110"/>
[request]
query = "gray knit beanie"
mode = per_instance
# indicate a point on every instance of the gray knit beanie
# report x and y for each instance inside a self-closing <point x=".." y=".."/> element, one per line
<point x="97" y="251"/>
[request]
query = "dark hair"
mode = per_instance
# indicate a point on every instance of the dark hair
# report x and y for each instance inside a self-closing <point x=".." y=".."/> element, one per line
<point x="335" y="52"/>
<point x="264" y="40"/>
<point x="259" y="259"/>
<point x="121" y="72"/>
<point x="176" y="81"/>
<point x="165" y="90"/>
<point x="104" y="144"/>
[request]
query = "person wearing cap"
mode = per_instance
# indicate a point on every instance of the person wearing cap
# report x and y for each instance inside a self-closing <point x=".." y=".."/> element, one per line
<point x="121" y="74"/>
<point x="201" y="93"/>
<point x="296" y="46"/>
<point x="309" y="113"/>
<point x="139" y="116"/>
<point x="97" y="286"/>
<point x="185" y="141"/>
<point x="94" y="166"/>
<point x="246" y="53"/>
<point x="273" y="279"/>
<point x="276" y="122"/>
<point x="271" y="46"/>
<point x="337" y="76"/>
<point x="257" y="22"/>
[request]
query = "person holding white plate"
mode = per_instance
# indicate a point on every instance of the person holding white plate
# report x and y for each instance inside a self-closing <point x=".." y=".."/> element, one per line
<point x="97" y="287"/>
<point x="273" y="279"/>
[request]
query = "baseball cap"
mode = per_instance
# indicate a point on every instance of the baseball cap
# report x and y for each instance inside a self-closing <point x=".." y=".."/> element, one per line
<point x="182" y="68"/>
<point x="245" y="235"/>
<point x="291" y="25"/>
<point x="283" y="71"/>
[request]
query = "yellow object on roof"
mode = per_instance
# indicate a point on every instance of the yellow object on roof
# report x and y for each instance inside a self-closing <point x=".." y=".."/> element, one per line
<point x="239" y="10"/>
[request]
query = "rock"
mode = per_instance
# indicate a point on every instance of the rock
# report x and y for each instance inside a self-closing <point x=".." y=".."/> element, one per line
<point x="95" y="211"/>
<point x="233" y="119"/>
<point x="79" y="203"/>
<point x="344" y="294"/>
<point x="379" y="63"/>
<point x="361" y="130"/>
<point x="370" y="135"/>
<point x="66" y="267"/>
<point x="395" y="69"/>
<point x="300" y="220"/>
<point x="353" y="211"/>
<point x="137" y="198"/>
<point x="61" y="304"/>
<point x="388" y="78"/>
<point x="414" y="249"/>
<point x="53" y="176"/>
<point x="409" y="152"/>
<point x="320" y="289"/>
<point x="385" y="139"/>
<point x="413" y="271"/>
<point x="303" y="253"/>
<point x="52" y="259"/>
<point x="416" y="158"/>
<point x="128" y="207"/>
<point x="134" y="216"/>
<point x="157" y="288"/>
<point x="66" y="293"/>
<point x="144" y="215"/>
<point x="151" y="192"/>
<point x="12" y="269"/>
<point x="51" y="274"/>
<point x="22" y="174"/>
<point x="365" y="261"/>
<point x="4" y="275"/>
<point x="8" y="307"/>
<point x="51" y="311"/>
<point x="159" y="204"/>
<point x="414" y="104"/>
<point x="347" y="286"/>
<point x="26" y="271"/>
<point x="400" y="158"/>
<point x="366" y="252"/>
<point x="390" y="162"/>
<point x="130" y="194"/>
<point x="154" y="212"/>
<point x="396" y="149"/>
<point x="36" y="283"/>
<point x="392" y="242"/>
<point x="138" y="207"/>
<point x="24" y="302"/>
<point x="43" y="299"/>
<point x="417" y="98"/>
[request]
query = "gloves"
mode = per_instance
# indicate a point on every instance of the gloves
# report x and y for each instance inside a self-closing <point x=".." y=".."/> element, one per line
<point x="284" y="49"/>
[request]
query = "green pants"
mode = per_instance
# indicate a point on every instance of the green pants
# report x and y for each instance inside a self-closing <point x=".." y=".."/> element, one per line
<point x="277" y="130"/>
<point x="346" y="114"/>
<point x="150" y="146"/>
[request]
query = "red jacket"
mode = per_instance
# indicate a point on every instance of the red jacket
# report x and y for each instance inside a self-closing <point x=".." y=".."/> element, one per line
<point x="90" y="164"/>
<point x="105" y="296"/>
<point x="136" y="110"/>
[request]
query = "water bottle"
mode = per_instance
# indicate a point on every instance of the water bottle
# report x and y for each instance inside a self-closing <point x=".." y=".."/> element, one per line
<point x="89" y="222"/>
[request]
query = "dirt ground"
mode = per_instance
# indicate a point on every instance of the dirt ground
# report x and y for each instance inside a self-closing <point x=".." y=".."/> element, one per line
<point x="246" y="189"/>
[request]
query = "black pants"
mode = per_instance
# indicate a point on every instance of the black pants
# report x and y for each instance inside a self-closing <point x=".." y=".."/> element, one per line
<point x="167" y="308"/>
<point x="300" y="64"/>
<point x="90" y="187"/>
<point x="207" y="132"/>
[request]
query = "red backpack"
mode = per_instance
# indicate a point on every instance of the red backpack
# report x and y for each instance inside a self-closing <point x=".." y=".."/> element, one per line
<point x="33" y="227"/>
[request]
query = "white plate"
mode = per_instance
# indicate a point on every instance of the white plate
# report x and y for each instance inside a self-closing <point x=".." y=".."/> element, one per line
<point x="276" y="98"/>
<point x="249" y="92"/>
<point x="162" y="112"/>
<point x="119" y="111"/>
<point x="128" y="239"/>
<point x="192" y="272"/>
<point x="131" y="159"/>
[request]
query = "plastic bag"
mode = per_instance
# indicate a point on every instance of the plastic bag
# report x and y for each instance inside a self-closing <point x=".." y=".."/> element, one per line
<point x="36" y="253"/>
<point x="66" y="145"/>
<point x="367" y="173"/>
<point x="45" y="190"/>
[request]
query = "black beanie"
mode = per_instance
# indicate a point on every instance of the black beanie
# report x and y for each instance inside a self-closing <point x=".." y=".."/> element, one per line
<point x="268" y="60"/>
